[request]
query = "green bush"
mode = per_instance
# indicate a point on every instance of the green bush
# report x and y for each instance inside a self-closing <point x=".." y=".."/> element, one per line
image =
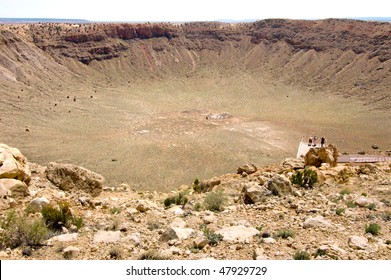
<point x="21" y="231"/>
<point x="179" y="199"/>
<point x="285" y="233"/>
<point x="340" y="211"/>
<point x="305" y="179"/>
<point x="373" y="229"/>
<point x="115" y="210"/>
<point x="301" y="255"/>
<point x="57" y="217"/>
<point x="345" y="191"/>
<point x="197" y="206"/>
<point x="212" y="237"/>
<point x="371" y="206"/>
<point x="214" y="201"/>
<point x="350" y="204"/>
<point x="115" y="253"/>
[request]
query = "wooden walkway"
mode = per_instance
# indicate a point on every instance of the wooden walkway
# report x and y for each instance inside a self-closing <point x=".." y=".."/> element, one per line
<point x="304" y="148"/>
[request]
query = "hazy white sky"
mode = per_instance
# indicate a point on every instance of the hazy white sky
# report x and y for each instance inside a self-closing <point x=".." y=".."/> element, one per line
<point x="192" y="10"/>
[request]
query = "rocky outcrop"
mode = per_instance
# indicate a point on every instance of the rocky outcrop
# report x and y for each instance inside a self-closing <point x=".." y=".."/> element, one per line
<point x="247" y="169"/>
<point x="13" y="165"/>
<point x="253" y="193"/>
<point x="317" y="156"/>
<point x="71" y="177"/>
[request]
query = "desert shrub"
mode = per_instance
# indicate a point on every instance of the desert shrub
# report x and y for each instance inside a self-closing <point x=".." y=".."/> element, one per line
<point x="386" y="202"/>
<point x="115" y="253"/>
<point x="305" y="179"/>
<point x="151" y="255"/>
<point x="350" y="204"/>
<point x="340" y="211"/>
<point x="212" y="237"/>
<point x="197" y="206"/>
<point x="301" y="255"/>
<point x="388" y="242"/>
<point x="196" y="186"/>
<point x="214" y="201"/>
<point x="57" y="217"/>
<point x="285" y="233"/>
<point x="179" y="199"/>
<point x="320" y="252"/>
<point x="345" y="191"/>
<point x="115" y="210"/>
<point x="371" y="206"/>
<point x="373" y="229"/>
<point x="21" y="231"/>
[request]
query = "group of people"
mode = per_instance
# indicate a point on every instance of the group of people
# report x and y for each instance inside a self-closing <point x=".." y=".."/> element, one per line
<point x="313" y="139"/>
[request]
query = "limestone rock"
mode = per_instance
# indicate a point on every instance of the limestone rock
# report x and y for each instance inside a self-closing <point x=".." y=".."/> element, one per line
<point x="17" y="188"/>
<point x="208" y="185"/>
<point x="247" y="168"/>
<point x="145" y="205"/>
<point x="178" y="222"/>
<point x="317" y="156"/>
<point x="259" y="254"/>
<point x="200" y="242"/>
<point x="279" y="185"/>
<point x="13" y="165"/>
<point x="293" y="164"/>
<point x="176" y="233"/>
<point x="71" y="252"/>
<point x="254" y="193"/>
<point x="268" y="240"/>
<point x="238" y="233"/>
<point x="361" y="201"/>
<point x="4" y="197"/>
<point x="107" y="236"/>
<point x="69" y="237"/>
<point x="333" y="251"/>
<point x="37" y="203"/>
<point x="358" y="242"/>
<point x="317" y="222"/>
<point x="71" y="177"/>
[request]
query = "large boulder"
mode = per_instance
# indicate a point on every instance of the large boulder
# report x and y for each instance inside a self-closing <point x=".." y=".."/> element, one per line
<point x="247" y="168"/>
<point x="253" y="193"/>
<point x="13" y="165"/>
<point x="69" y="177"/>
<point x="4" y="197"/>
<point x="317" y="156"/>
<point x="279" y="185"/>
<point x="17" y="188"/>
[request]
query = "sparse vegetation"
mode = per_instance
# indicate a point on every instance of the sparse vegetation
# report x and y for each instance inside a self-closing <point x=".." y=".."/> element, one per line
<point x="350" y="204"/>
<point x="345" y="191"/>
<point x="179" y="199"/>
<point x="301" y="255"/>
<point x="211" y="236"/>
<point x="340" y="211"/>
<point x="151" y="255"/>
<point x="20" y="230"/>
<point x="285" y="233"/>
<point x="197" y="206"/>
<point x="59" y="216"/>
<point x="115" y="253"/>
<point x="115" y="210"/>
<point x="305" y="179"/>
<point x="371" y="206"/>
<point x="373" y="229"/>
<point x="214" y="201"/>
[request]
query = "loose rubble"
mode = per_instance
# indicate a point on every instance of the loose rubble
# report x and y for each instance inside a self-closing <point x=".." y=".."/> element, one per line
<point x="264" y="216"/>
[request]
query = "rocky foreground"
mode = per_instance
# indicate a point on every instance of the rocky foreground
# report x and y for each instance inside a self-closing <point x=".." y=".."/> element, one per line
<point x="255" y="214"/>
